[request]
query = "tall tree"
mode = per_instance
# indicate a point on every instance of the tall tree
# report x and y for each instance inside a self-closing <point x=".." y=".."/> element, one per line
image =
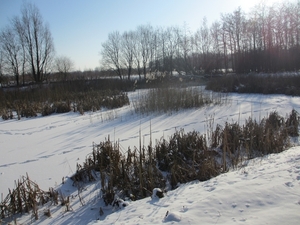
<point x="170" y="44"/>
<point x="204" y="45"/>
<point x="127" y="50"/>
<point x="145" y="33"/>
<point x="11" y="52"/>
<point x="216" y="43"/>
<point x="1" y="66"/>
<point x="184" y="49"/>
<point x="111" y="52"/>
<point x="37" y="41"/>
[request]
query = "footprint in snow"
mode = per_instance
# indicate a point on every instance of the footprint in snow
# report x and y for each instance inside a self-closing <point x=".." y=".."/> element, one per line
<point x="170" y="216"/>
<point x="184" y="209"/>
<point x="289" y="184"/>
<point x="211" y="189"/>
<point x="234" y="205"/>
<point x="9" y="164"/>
<point x="231" y="182"/>
<point x="29" y="161"/>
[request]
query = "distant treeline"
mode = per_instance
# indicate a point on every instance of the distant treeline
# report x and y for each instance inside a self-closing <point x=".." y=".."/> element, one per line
<point x="267" y="39"/>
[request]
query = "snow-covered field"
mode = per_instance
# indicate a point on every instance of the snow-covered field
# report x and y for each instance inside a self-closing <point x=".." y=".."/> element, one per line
<point x="266" y="191"/>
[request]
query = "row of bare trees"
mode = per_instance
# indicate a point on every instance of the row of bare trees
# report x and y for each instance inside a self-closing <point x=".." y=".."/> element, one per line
<point x="27" y="47"/>
<point x="266" y="39"/>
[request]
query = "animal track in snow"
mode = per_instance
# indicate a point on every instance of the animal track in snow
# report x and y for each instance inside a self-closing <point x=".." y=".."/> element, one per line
<point x="46" y="156"/>
<point x="29" y="161"/>
<point x="6" y="165"/>
<point x="289" y="184"/>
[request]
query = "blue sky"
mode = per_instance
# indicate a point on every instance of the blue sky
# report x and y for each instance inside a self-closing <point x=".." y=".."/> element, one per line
<point x="79" y="27"/>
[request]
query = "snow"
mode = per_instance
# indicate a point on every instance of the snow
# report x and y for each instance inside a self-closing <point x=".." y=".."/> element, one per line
<point x="263" y="191"/>
<point x="266" y="191"/>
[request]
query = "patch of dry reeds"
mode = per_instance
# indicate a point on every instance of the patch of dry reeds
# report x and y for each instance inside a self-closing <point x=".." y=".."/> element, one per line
<point x="26" y="197"/>
<point x="185" y="156"/>
<point x="164" y="100"/>
<point x="60" y="98"/>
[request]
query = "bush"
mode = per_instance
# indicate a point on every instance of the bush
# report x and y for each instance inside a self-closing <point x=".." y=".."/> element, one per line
<point x="61" y="107"/>
<point x="47" y="109"/>
<point x="28" y="111"/>
<point x="292" y="124"/>
<point x="7" y="114"/>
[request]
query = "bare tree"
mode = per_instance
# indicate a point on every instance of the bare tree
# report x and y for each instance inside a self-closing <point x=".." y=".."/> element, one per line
<point x="144" y="32"/>
<point x="127" y="50"/>
<point x="36" y="39"/>
<point x="183" y="49"/>
<point x="216" y="43"/>
<point x="169" y="43"/>
<point x="1" y="66"/>
<point x="203" y="45"/>
<point x="137" y="53"/>
<point x="229" y="40"/>
<point x="10" y="49"/>
<point x="111" y="50"/>
<point x="63" y="65"/>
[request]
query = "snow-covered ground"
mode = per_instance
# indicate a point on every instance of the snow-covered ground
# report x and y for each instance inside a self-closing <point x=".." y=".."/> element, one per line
<point x="266" y="191"/>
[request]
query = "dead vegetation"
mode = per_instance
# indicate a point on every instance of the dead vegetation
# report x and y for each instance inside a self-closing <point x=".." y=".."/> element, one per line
<point x="76" y="96"/>
<point x="173" y="99"/>
<point x="25" y="198"/>
<point x="184" y="157"/>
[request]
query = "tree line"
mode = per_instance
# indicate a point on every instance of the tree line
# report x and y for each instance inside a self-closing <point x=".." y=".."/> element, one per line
<point x="267" y="39"/>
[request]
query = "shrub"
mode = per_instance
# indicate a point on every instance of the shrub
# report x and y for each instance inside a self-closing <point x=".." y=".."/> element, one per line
<point x="292" y="124"/>
<point x="7" y="114"/>
<point x="47" y="109"/>
<point x="28" y="111"/>
<point x="61" y="107"/>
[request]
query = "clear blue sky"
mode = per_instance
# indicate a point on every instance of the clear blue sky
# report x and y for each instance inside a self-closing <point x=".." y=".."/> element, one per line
<point x="79" y="27"/>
